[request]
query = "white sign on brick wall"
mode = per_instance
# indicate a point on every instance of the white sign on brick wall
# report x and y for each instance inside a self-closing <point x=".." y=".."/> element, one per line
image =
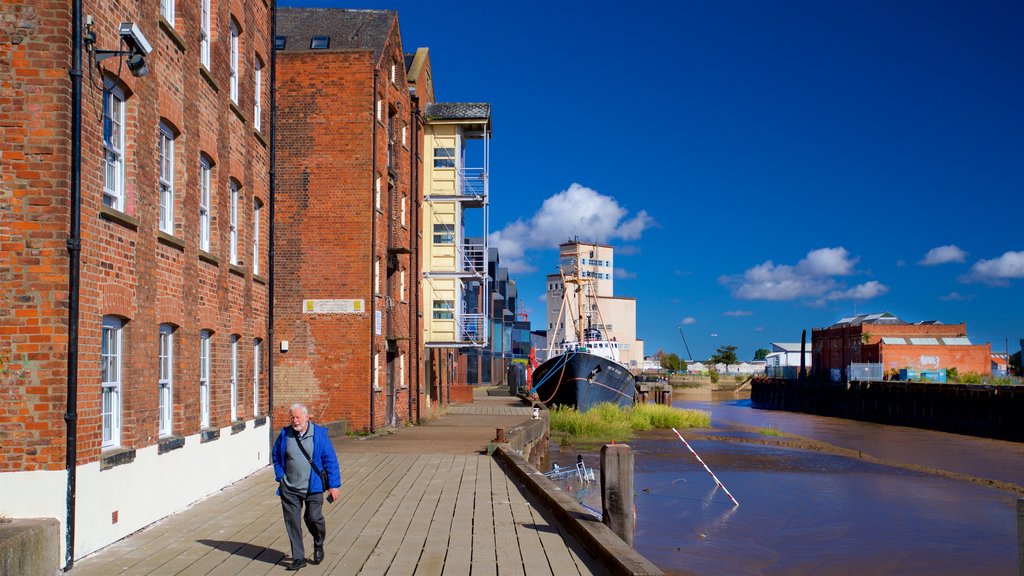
<point x="356" y="306"/>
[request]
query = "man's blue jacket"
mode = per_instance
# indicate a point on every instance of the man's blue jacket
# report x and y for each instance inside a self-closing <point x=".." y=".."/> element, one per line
<point x="323" y="457"/>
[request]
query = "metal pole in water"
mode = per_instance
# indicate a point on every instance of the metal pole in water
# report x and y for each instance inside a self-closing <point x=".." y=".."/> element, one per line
<point x="717" y="481"/>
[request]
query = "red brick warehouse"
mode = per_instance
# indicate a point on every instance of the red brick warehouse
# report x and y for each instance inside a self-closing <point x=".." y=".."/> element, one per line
<point x="171" y="375"/>
<point x="346" y="272"/>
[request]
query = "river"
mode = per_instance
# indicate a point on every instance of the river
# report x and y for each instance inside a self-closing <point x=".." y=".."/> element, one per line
<point x="914" y="502"/>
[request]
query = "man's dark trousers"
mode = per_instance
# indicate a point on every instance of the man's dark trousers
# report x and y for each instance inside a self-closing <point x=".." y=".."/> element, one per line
<point x="291" y="505"/>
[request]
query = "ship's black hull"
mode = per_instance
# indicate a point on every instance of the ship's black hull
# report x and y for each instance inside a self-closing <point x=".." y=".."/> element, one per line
<point x="582" y="380"/>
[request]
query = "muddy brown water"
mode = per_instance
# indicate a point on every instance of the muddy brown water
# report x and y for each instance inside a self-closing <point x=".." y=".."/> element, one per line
<point x="829" y="496"/>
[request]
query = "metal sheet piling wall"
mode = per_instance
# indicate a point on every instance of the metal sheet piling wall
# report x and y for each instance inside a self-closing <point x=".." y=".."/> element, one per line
<point x="989" y="411"/>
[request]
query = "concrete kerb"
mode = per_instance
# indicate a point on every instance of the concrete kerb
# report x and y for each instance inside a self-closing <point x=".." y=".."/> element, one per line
<point x="30" y="546"/>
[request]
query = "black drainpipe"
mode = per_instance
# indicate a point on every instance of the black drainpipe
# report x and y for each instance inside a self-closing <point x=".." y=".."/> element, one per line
<point x="74" y="244"/>
<point x="414" y="246"/>
<point x="391" y="346"/>
<point x="373" y="243"/>
<point x="270" y="249"/>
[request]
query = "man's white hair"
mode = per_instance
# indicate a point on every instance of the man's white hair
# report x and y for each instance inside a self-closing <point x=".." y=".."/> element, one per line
<point x="300" y="406"/>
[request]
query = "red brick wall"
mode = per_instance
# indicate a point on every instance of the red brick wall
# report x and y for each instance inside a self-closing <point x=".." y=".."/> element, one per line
<point x="329" y="233"/>
<point x="126" y="269"/>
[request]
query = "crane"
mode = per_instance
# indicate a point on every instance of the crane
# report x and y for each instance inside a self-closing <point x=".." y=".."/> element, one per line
<point x="690" y="356"/>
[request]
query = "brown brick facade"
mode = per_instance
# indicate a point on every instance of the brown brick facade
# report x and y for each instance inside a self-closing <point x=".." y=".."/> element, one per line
<point x="129" y="269"/>
<point x="333" y="236"/>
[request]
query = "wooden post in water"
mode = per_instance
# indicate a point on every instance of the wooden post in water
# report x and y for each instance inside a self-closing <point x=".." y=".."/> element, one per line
<point x="617" y="490"/>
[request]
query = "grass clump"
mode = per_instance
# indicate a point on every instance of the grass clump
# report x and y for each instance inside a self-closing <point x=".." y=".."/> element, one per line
<point x="607" y="421"/>
<point x="769" y="431"/>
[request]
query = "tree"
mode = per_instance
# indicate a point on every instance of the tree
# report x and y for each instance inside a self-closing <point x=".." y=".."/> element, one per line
<point x="725" y="355"/>
<point x="761" y="353"/>
<point x="672" y="362"/>
<point x="1015" y="363"/>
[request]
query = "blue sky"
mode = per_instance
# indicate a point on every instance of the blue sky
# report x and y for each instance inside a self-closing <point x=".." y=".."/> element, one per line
<point x="760" y="167"/>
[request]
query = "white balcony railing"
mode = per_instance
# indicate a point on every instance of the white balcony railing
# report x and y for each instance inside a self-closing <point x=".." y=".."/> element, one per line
<point x="473" y="328"/>
<point x="473" y="182"/>
<point x="473" y="258"/>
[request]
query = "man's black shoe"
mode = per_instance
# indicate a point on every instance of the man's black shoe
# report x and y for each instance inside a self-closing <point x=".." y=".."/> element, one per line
<point x="318" y="555"/>
<point x="296" y="564"/>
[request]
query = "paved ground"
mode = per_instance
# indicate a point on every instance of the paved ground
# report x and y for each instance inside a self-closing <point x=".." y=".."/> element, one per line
<point x="423" y="500"/>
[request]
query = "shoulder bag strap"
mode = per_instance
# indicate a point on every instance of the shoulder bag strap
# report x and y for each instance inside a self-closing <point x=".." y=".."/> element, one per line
<point x="304" y="453"/>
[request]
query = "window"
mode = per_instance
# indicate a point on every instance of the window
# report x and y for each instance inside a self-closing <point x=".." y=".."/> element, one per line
<point x="233" y="223"/>
<point x="280" y="42"/>
<point x="166" y="381"/>
<point x="113" y="147"/>
<point x="204" y="203"/>
<point x="404" y="140"/>
<point x="204" y="379"/>
<point x="257" y="350"/>
<point x="320" y="43"/>
<point x="376" y="275"/>
<point x="376" y="370"/>
<point x="401" y="285"/>
<point x="110" y="378"/>
<point x="234" y="63"/>
<point x="376" y="192"/>
<point x="166" y="153"/>
<point x="380" y="108"/>
<point x="394" y="73"/>
<point x="234" y="377"/>
<point x="167" y="11"/>
<point x="444" y="233"/>
<point x="257" y="113"/>
<point x="444" y="309"/>
<point x="257" y="206"/>
<point x="401" y="370"/>
<point x="402" y="210"/>
<point x="444" y="157"/>
<point x="204" y="33"/>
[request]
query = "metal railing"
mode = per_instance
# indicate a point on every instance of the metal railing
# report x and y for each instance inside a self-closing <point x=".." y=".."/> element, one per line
<point x="473" y="182"/>
<point x="473" y="328"/>
<point x="472" y="258"/>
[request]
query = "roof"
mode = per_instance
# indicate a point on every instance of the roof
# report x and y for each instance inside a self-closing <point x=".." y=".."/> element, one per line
<point x="347" y="29"/>
<point x="787" y="346"/>
<point x="458" y="111"/>
<point x="928" y="341"/>
<point x="876" y="318"/>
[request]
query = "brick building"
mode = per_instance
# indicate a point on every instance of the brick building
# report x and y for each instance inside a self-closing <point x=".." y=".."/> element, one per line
<point x="346" y="287"/>
<point x="884" y="339"/>
<point x="171" y="387"/>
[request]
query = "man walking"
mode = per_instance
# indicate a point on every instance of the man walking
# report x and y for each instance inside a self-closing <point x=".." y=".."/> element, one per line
<point x="303" y="458"/>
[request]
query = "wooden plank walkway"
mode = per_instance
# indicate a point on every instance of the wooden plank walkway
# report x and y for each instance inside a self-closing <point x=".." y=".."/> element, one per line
<point x="398" y="514"/>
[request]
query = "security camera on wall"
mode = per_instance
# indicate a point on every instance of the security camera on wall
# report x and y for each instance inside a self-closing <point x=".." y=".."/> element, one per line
<point x="133" y="38"/>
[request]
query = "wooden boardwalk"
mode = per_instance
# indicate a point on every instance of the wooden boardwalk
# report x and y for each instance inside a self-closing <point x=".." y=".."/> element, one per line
<point x="430" y="514"/>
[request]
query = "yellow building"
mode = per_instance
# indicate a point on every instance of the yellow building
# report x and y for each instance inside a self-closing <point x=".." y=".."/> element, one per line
<point x="455" y="251"/>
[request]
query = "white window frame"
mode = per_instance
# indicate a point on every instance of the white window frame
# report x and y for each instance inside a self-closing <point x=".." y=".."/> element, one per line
<point x="401" y="285"/>
<point x="165" y="383"/>
<point x="205" y="167"/>
<point x="401" y="371"/>
<point x="204" y="33"/>
<point x="166" y="180"/>
<point x="376" y="370"/>
<point x="403" y="135"/>
<point x="443" y="309"/>
<point x="234" y="377"/>
<point x="376" y="193"/>
<point x="257" y="352"/>
<point x="376" y="275"/>
<point x="402" y="210"/>
<point x="233" y="81"/>
<point x="394" y="73"/>
<point x="233" y="222"/>
<point x="110" y="381"/>
<point x="167" y="11"/>
<point x="204" y="378"/>
<point x="257" y="112"/>
<point x="257" y="207"/>
<point x="113" y="146"/>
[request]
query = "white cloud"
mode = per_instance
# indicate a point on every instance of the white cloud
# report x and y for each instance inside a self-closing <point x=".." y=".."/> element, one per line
<point x="575" y="211"/>
<point x="627" y="250"/>
<point x="812" y="277"/>
<point x="688" y="320"/>
<point x="737" y="313"/>
<point x="956" y="297"/>
<point x="997" y="270"/>
<point x="624" y="274"/>
<point x="543" y="297"/>
<point x="864" y="291"/>
<point x="943" y="255"/>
